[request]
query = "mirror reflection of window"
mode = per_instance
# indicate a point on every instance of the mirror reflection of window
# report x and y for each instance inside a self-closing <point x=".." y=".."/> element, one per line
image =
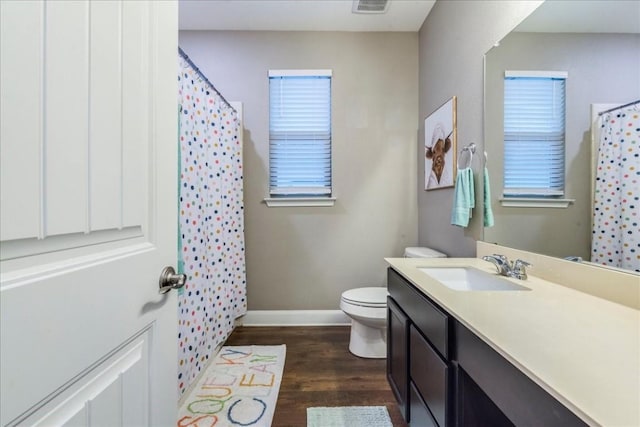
<point x="534" y="134"/>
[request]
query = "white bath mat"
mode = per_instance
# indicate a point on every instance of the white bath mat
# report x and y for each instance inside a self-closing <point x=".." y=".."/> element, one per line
<point x="349" y="416"/>
<point x="239" y="388"/>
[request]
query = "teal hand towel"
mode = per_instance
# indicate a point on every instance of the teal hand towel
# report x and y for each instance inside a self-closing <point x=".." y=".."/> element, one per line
<point x="488" y="212"/>
<point x="471" y="192"/>
<point x="463" y="198"/>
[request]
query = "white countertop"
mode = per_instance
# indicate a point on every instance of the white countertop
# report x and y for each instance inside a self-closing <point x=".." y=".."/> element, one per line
<point x="583" y="350"/>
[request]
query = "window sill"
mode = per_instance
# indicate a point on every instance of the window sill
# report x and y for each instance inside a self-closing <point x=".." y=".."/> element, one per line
<point x="529" y="202"/>
<point x="289" y="202"/>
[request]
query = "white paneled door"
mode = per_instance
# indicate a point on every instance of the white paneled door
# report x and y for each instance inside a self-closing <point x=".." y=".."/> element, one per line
<point x="88" y="155"/>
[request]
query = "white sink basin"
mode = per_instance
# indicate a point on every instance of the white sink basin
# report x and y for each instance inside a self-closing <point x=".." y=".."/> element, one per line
<point x="470" y="279"/>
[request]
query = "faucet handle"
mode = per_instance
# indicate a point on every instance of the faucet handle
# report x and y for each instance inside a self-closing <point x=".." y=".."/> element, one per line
<point x="519" y="263"/>
<point x="519" y="268"/>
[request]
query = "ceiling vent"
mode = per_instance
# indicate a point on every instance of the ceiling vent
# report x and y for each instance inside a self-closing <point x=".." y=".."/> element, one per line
<point x="370" y="6"/>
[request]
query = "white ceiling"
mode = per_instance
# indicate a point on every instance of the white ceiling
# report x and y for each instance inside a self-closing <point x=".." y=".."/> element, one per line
<point x="299" y="15"/>
<point x="620" y="16"/>
<point x="585" y="16"/>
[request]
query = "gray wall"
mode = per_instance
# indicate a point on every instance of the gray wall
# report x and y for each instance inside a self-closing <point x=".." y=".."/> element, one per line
<point x="603" y="68"/>
<point x="453" y="40"/>
<point x="304" y="258"/>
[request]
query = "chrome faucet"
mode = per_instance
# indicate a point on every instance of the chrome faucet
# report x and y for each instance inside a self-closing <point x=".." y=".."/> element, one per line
<point x="501" y="263"/>
<point x="516" y="269"/>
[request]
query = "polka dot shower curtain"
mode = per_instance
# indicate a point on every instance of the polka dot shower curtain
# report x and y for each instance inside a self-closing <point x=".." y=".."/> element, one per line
<point x="616" y="210"/>
<point x="211" y="229"/>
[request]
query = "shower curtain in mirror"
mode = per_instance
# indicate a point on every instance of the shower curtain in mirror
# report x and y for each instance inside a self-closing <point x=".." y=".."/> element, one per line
<point x="616" y="210"/>
<point x="211" y="228"/>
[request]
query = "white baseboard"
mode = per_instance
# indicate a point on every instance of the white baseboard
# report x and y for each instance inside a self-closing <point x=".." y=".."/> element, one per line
<point x="294" y="318"/>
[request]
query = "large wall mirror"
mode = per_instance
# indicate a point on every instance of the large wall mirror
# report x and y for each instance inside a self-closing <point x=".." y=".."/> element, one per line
<point x="598" y="44"/>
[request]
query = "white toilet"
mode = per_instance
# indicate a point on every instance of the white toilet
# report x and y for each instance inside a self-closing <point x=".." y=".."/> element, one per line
<point x="367" y="308"/>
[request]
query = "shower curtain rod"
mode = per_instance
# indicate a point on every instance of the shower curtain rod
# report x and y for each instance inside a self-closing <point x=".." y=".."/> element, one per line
<point x="203" y="77"/>
<point x="618" y="107"/>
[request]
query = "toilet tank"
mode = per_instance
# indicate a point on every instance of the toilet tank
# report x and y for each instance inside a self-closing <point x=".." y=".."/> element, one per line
<point x="419" y="252"/>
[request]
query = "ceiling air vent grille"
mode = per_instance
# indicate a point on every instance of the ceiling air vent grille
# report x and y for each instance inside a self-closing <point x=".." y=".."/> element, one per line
<point x="370" y="6"/>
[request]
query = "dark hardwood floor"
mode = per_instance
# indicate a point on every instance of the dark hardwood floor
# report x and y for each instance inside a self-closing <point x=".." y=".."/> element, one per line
<point x="320" y="371"/>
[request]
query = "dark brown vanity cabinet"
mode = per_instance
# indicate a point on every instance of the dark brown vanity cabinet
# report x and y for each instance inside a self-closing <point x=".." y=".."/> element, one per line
<point x="443" y="375"/>
<point x="418" y="367"/>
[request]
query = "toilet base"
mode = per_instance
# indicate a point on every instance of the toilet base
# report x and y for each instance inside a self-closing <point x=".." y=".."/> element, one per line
<point x="368" y="342"/>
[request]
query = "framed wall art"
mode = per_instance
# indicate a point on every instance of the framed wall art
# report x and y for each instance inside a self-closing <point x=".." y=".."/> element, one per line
<point x="440" y="147"/>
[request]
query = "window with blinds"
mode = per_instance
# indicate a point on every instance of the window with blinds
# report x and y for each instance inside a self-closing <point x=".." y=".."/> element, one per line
<point x="534" y="132"/>
<point x="300" y="133"/>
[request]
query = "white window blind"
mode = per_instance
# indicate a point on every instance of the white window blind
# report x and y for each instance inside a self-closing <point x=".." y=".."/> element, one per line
<point x="534" y="132"/>
<point x="300" y="133"/>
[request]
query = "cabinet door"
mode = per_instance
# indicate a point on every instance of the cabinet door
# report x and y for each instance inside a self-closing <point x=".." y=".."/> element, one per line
<point x="397" y="354"/>
<point x="520" y="399"/>
<point x="474" y="406"/>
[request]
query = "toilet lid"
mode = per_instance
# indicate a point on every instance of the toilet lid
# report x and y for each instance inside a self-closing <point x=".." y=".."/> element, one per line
<point x="419" y="252"/>
<point x="371" y="297"/>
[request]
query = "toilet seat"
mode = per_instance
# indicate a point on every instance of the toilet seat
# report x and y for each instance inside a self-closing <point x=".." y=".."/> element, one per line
<point x="373" y="297"/>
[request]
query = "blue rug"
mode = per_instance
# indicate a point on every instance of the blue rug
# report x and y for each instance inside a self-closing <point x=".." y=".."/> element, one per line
<point x="349" y="416"/>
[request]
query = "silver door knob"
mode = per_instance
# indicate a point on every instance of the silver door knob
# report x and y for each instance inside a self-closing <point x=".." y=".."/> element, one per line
<point x="170" y="280"/>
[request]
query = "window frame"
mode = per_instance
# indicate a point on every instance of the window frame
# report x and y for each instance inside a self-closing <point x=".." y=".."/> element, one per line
<point x="280" y="197"/>
<point x="538" y="197"/>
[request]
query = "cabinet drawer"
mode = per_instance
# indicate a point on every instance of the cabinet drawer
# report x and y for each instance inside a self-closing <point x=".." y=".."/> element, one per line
<point x="419" y="415"/>
<point x="428" y="318"/>
<point x="430" y="374"/>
